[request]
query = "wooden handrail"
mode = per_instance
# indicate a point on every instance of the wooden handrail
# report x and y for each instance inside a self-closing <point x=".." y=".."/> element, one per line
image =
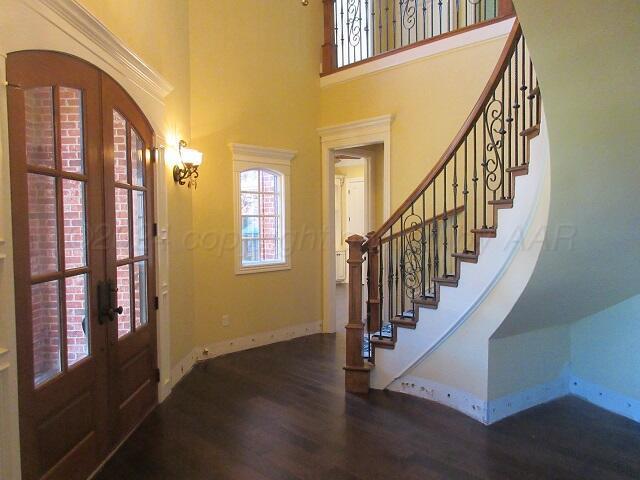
<point x="413" y="228"/>
<point x="467" y="127"/>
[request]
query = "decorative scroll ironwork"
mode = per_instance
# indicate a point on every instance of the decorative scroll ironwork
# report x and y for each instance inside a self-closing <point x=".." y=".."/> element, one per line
<point x="494" y="124"/>
<point x="412" y="244"/>
<point x="354" y="22"/>
<point x="409" y="17"/>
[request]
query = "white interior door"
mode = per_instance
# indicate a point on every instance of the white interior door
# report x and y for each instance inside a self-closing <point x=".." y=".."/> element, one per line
<point x="355" y="207"/>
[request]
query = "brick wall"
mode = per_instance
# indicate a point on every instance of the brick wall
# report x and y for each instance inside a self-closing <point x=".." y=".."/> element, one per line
<point x="43" y="235"/>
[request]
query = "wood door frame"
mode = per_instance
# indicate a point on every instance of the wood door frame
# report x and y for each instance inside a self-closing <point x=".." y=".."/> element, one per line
<point x="65" y="26"/>
<point x="339" y="137"/>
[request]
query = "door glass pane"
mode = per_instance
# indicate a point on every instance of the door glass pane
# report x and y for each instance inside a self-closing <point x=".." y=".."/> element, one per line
<point x="123" y="282"/>
<point x="39" y="138"/>
<point x="140" y="292"/>
<point x="139" y="223"/>
<point x="120" y="148"/>
<point x="137" y="158"/>
<point x="43" y="225"/>
<point x="122" y="223"/>
<point x="77" y="306"/>
<point x="71" y="145"/>
<point x="75" y="239"/>
<point x="45" y="312"/>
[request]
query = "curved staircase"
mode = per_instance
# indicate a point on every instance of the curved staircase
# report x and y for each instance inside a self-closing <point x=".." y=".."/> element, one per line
<point x="444" y="223"/>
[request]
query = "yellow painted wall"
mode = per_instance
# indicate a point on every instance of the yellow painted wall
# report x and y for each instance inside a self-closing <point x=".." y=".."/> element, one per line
<point x="157" y="30"/>
<point x="430" y="99"/>
<point x="254" y="80"/>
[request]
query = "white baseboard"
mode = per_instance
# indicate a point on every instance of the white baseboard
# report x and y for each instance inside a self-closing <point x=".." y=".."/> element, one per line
<point x="513" y="403"/>
<point x="605" y="398"/>
<point x="460" y="400"/>
<point x="198" y="354"/>
<point x="492" y="411"/>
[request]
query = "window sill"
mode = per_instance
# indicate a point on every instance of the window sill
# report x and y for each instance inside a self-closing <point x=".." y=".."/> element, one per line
<point x="274" y="267"/>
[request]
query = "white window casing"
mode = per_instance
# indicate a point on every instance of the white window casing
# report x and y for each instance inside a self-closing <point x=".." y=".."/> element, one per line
<point x="272" y="160"/>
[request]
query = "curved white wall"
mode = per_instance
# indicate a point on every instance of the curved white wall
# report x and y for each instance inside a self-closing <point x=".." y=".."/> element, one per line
<point x="439" y="353"/>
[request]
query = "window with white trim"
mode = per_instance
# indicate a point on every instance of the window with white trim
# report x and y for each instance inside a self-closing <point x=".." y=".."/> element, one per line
<point x="261" y="217"/>
<point x="261" y="190"/>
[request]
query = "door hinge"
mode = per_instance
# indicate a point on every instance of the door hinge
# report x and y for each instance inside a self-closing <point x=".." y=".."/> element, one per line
<point x="156" y="374"/>
<point x="154" y="155"/>
<point x="156" y="303"/>
<point x="155" y="229"/>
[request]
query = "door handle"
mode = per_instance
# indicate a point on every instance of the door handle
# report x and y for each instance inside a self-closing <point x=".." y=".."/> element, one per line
<point x="107" y="297"/>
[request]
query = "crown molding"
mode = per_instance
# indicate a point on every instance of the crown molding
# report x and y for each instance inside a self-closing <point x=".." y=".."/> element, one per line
<point x="360" y="127"/>
<point x="94" y="35"/>
<point x="245" y="152"/>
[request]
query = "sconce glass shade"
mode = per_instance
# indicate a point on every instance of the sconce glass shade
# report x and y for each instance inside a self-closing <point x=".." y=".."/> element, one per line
<point x="191" y="157"/>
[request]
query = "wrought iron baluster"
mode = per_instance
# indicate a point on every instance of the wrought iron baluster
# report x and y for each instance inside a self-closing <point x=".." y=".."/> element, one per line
<point x="394" y="25"/>
<point x="465" y="194"/>
<point x="445" y="219"/>
<point x="342" y="29"/>
<point x="436" y="261"/>
<point x="502" y="143"/>
<point x="509" y="128"/>
<point x="403" y="267"/>
<point x="455" y="202"/>
<point x="516" y="109"/>
<point x="440" y="15"/>
<point x="475" y="178"/>
<point x="523" y="89"/>
<point x="484" y="171"/>
<point x="424" y="19"/>
<point x="397" y="272"/>
<point x="380" y="283"/>
<point x="423" y="252"/>
<point x="366" y="27"/>
<point x="390" y="275"/>
<point x="531" y="93"/>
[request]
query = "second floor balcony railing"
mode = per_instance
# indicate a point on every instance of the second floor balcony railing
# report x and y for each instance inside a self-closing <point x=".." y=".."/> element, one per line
<point x="357" y="30"/>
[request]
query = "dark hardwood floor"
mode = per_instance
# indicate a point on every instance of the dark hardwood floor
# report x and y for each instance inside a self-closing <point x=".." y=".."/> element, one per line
<point x="280" y="412"/>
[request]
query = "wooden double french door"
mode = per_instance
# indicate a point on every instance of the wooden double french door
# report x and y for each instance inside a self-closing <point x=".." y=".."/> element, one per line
<point x="82" y="207"/>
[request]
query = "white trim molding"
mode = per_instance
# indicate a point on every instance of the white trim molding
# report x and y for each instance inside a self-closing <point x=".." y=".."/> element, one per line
<point x="437" y="47"/>
<point x="277" y="160"/>
<point x="360" y="133"/>
<point x="224" y="347"/>
<point x="90" y="31"/>
<point x="606" y="398"/>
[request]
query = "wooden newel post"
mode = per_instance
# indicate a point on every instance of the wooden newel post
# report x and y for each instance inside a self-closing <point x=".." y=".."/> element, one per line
<point x="356" y="372"/>
<point x="373" y="298"/>
<point x="506" y="8"/>
<point x="329" y="60"/>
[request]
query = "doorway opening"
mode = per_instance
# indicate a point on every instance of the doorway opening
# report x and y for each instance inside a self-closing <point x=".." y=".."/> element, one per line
<point x="358" y="187"/>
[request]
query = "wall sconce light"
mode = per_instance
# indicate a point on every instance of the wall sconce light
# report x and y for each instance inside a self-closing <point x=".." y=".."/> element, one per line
<point x="191" y="159"/>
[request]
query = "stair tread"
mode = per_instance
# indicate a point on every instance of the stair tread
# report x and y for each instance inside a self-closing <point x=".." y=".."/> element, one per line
<point x="489" y="232"/>
<point x="501" y="201"/>
<point x="383" y="342"/>
<point x="519" y="168"/>
<point x="466" y="257"/>
<point x="535" y="130"/>
<point x="405" y="322"/>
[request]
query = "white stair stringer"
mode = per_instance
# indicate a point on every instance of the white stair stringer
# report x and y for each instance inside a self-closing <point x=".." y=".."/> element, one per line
<point x="477" y="280"/>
